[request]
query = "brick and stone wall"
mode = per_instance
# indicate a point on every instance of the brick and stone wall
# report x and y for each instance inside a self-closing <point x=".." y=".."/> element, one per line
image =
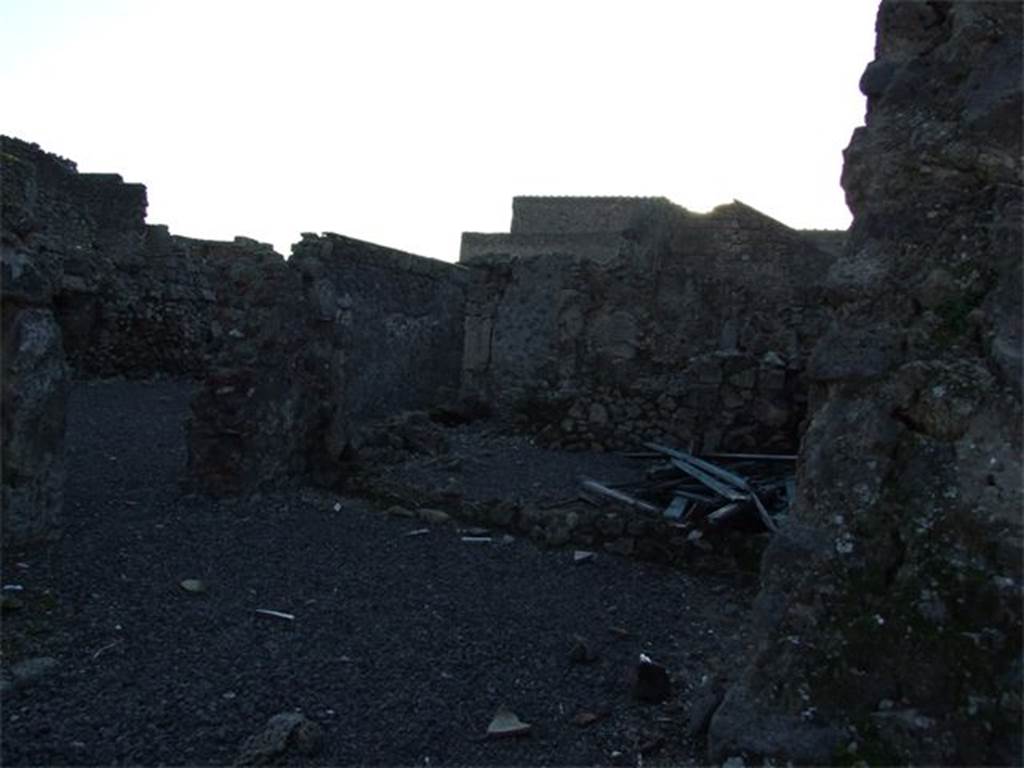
<point x="677" y="326"/>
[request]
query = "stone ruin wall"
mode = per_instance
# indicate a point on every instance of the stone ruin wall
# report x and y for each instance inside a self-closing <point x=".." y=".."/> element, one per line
<point x="408" y="314"/>
<point x="91" y="289"/>
<point x="342" y="334"/>
<point x="34" y="383"/>
<point x="890" y="615"/>
<point x="665" y="325"/>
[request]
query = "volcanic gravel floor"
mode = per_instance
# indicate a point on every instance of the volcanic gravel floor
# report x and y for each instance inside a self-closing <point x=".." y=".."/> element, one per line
<point x="401" y="648"/>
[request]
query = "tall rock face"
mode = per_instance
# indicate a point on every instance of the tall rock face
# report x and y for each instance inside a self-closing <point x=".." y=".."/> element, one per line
<point x="891" y="607"/>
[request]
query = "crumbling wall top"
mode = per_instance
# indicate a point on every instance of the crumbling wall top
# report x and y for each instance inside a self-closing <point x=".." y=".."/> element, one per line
<point x="565" y="215"/>
<point x="332" y="246"/>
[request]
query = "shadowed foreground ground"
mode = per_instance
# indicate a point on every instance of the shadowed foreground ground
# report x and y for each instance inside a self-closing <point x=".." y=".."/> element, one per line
<point x="401" y="648"/>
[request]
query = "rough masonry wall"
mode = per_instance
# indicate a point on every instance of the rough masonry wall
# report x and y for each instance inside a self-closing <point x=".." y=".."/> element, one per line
<point x="34" y="382"/>
<point x="272" y="341"/>
<point x="306" y="351"/>
<point x="891" y="606"/>
<point x="127" y="298"/>
<point x="269" y="412"/>
<point x="407" y="318"/>
<point x="674" y="326"/>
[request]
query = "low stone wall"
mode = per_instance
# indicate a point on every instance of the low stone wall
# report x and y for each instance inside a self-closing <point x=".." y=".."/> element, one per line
<point x="719" y="400"/>
<point x="613" y="529"/>
<point x="693" y="328"/>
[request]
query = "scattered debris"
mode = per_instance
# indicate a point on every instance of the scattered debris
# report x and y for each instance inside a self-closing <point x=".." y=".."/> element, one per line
<point x="283" y="733"/>
<point x="650" y="681"/>
<point x="585" y="718"/>
<point x="603" y="490"/>
<point x="31" y="671"/>
<point x="582" y="556"/>
<point x="506" y="723"/>
<point x="474" y="531"/>
<point x="10" y="603"/>
<point x="275" y="614"/>
<point x="100" y="651"/>
<point x="706" y="700"/>
<point x="417" y="532"/>
<point x="192" y="585"/>
<point x="582" y="651"/>
<point x="433" y="516"/>
<point x="337" y="506"/>
<point x="621" y="632"/>
<point x="651" y="745"/>
<point x="696" y="494"/>
<point x="477" y="539"/>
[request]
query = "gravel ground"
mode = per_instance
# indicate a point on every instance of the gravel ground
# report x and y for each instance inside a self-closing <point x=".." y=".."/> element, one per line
<point x="486" y="464"/>
<point x="402" y="647"/>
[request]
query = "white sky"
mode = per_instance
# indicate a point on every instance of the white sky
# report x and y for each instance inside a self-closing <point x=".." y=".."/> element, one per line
<point x="407" y="123"/>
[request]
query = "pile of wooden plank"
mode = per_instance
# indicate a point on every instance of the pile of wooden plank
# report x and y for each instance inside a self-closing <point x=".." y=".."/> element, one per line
<point x="732" y="490"/>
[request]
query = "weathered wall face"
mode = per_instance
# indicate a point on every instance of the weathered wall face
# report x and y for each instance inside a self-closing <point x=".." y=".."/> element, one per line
<point x="272" y="340"/>
<point x="268" y="413"/>
<point x="680" y="326"/>
<point x="406" y="315"/>
<point x="891" y="607"/>
<point x="34" y="372"/>
<point x="581" y="215"/>
<point x="34" y="383"/>
<point x="307" y="350"/>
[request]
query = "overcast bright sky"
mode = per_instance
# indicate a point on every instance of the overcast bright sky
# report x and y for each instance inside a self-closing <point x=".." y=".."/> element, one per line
<point x="407" y="123"/>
